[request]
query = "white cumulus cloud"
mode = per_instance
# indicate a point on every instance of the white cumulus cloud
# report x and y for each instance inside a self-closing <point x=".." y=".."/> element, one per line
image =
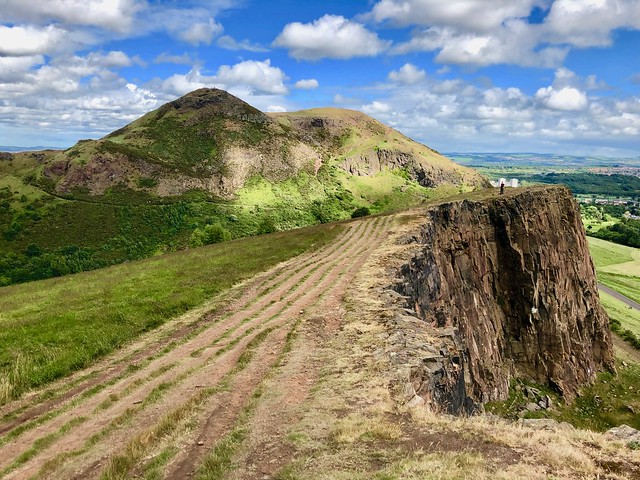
<point x="482" y="33"/>
<point x="307" y="84"/>
<point x="331" y="36"/>
<point x="514" y="42"/>
<point x="376" y="107"/>
<point x="471" y="15"/>
<point x="261" y="76"/>
<point x="408" y="74"/>
<point x="565" y="99"/>
<point x="115" y="15"/>
<point x="113" y="59"/>
<point x="30" y="40"/>
<point x="589" y="23"/>
<point x="14" y="69"/>
<point x="202" y="32"/>
<point x="254" y="77"/>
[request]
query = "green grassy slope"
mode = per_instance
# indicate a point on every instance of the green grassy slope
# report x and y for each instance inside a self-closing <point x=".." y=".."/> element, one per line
<point x="629" y="318"/>
<point x="53" y="327"/>
<point x="617" y="266"/>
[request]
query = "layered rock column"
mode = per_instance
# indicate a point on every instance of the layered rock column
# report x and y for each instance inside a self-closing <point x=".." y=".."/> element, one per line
<point x="512" y="278"/>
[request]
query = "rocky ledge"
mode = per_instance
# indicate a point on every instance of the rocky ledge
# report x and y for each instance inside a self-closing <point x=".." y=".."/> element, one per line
<point x="496" y="287"/>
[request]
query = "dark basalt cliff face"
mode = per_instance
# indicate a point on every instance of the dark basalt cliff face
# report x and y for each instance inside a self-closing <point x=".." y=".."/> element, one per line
<point x="508" y="288"/>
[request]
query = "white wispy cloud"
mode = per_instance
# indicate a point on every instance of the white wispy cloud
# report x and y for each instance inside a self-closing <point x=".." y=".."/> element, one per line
<point x="184" y="59"/>
<point x="229" y="43"/>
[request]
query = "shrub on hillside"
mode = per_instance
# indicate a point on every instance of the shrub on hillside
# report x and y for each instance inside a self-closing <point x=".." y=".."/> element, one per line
<point x="215" y="233"/>
<point x="630" y="337"/>
<point x="627" y="232"/>
<point x="360" y="212"/>
<point x="267" y="225"/>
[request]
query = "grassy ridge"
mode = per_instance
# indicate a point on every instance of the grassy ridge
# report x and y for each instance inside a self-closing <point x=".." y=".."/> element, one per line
<point x="50" y="328"/>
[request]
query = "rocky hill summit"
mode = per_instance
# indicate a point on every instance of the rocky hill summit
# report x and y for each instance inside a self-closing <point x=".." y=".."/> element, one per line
<point x="211" y="141"/>
<point x="498" y="287"/>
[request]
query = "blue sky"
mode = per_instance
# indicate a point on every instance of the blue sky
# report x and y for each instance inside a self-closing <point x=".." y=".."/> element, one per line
<point x="548" y="76"/>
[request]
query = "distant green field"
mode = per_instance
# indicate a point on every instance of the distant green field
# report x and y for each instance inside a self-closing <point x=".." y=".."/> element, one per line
<point x="627" y="285"/>
<point x="628" y="317"/>
<point x="53" y="327"/>
<point x="618" y="267"/>
<point x="607" y="253"/>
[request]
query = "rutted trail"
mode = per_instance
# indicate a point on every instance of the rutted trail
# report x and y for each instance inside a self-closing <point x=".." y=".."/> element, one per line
<point x="199" y="374"/>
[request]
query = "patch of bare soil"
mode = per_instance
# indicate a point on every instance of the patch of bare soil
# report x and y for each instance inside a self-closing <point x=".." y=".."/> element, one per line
<point x="417" y="437"/>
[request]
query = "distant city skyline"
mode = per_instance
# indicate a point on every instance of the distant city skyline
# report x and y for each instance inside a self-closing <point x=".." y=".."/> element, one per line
<point x="544" y="76"/>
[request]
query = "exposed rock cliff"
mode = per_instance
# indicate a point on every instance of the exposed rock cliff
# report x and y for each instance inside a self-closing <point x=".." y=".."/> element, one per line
<point x="504" y="286"/>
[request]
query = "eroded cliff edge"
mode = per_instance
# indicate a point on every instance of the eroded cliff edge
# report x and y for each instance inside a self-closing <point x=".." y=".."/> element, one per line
<point x="496" y="287"/>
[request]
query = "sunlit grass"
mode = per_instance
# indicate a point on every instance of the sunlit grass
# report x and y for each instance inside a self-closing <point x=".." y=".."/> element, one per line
<point x="628" y="317"/>
<point x="53" y="327"/>
<point x="608" y="253"/>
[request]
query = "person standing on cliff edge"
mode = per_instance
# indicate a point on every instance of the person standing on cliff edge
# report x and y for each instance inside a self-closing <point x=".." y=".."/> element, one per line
<point x="501" y="188"/>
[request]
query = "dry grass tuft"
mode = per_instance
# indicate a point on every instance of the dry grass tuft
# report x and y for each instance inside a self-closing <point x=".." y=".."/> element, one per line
<point x="357" y="427"/>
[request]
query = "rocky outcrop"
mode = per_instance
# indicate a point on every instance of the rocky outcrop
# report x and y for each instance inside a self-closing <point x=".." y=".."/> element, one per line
<point x="363" y="146"/>
<point x="377" y="160"/>
<point x="505" y="287"/>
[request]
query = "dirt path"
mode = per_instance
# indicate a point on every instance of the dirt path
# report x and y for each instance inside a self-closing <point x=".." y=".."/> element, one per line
<point x="166" y="401"/>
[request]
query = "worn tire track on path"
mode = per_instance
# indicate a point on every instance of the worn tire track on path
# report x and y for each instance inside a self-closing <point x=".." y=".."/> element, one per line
<point x="207" y="351"/>
<point x="332" y="291"/>
<point x="31" y="407"/>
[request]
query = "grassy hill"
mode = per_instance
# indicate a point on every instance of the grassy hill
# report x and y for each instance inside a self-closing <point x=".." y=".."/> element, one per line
<point x="53" y="327"/>
<point x="204" y="168"/>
